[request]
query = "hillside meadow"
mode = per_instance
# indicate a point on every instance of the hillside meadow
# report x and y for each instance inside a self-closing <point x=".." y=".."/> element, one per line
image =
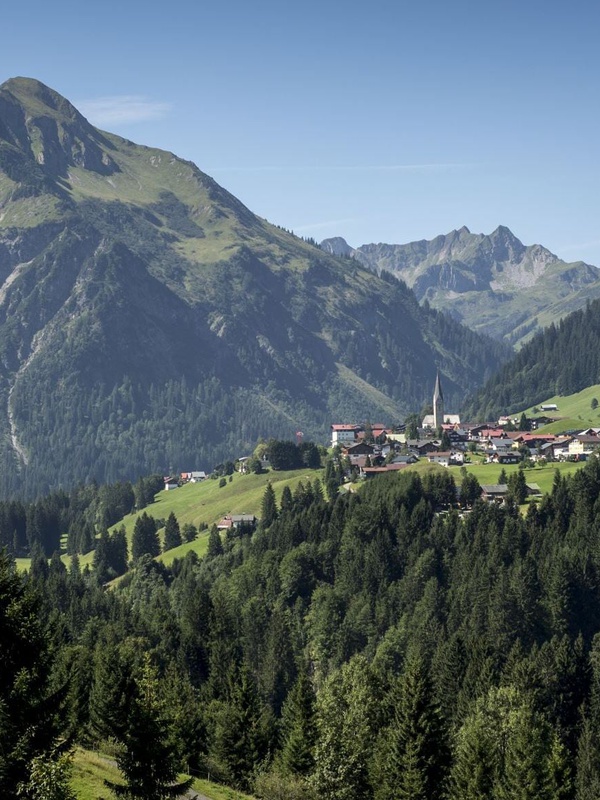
<point x="205" y="503"/>
<point x="91" y="769"/>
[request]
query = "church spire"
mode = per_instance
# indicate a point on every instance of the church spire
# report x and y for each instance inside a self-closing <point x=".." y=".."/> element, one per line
<point x="438" y="403"/>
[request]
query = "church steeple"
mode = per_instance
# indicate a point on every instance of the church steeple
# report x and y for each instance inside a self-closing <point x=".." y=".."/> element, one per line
<point x="438" y="403"/>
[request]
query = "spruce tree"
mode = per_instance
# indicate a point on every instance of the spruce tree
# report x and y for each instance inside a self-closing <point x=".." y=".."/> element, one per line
<point x="215" y="545"/>
<point x="417" y="757"/>
<point x="29" y="724"/>
<point x="145" y="537"/>
<point x="172" y="533"/>
<point x="269" y="507"/>
<point x="298" y="728"/>
<point x="148" y="759"/>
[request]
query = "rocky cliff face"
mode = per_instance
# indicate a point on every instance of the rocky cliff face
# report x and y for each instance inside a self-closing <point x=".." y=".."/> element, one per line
<point x="492" y="283"/>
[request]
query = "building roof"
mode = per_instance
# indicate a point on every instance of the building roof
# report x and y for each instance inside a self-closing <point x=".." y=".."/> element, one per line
<point x="345" y="427"/>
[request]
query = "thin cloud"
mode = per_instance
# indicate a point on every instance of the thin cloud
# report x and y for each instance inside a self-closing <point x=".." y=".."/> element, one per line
<point x="122" y="109"/>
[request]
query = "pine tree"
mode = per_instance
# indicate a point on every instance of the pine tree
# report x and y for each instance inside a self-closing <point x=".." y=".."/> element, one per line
<point x="172" y="533"/>
<point x="298" y="728"/>
<point x="145" y="537"/>
<point x="417" y="754"/>
<point x="148" y="759"/>
<point x="29" y="724"/>
<point x="269" y="511"/>
<point x="215" y="545"/>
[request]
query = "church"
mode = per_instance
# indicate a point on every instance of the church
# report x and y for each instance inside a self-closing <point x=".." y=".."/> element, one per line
<point x="439" y="417"/>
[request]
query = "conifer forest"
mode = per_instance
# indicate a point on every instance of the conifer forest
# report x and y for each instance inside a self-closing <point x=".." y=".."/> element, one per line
<point x="373" y="645"/>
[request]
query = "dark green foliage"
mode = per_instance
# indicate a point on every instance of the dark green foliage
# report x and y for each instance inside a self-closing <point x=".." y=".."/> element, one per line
<point x="147" y="759"/>
<point x="189" y="532"/>
<point x="562" y="359"/>
<point x="269" y="511"/>
<point x="298" y="729"/>
<point x="416" y="757"/>
<point x="145" y="537"/>
<point x="215" y="546"/>
<point x="29" y="712"/>
<point x="172" y="533"/>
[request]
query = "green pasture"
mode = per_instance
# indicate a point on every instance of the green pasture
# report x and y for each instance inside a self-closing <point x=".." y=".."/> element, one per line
<point x="574" y="411"/>
<point x="207" y="503"/>
<point x="91" y="769"/>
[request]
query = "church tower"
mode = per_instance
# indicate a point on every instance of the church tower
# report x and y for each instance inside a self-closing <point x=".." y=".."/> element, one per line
<point x="438" y="403"/>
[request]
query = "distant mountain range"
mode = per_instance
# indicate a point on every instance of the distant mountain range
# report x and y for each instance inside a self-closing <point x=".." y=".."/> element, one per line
<point x="149" y="321"/>
<point x="492" y="283"/>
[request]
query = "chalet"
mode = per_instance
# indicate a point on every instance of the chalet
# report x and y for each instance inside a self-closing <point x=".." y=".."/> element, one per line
<point x="556" y="450"/>
<point x="549" y="407"/>
<point x="193" y="477"/>
<point x="344" y="433"/>
<point x="441" y="458"/>
<point x="359" y="449"/>
<point x="494" y="493"/>
<point x="171" y="483"/>
<point x="371" y="472"/>
<point x="410" y="458"/>
<point x="533" y="490"/>
<point x="583" y="444"/>
<point x="235" y="520"/>
<point x="501" y="445"/>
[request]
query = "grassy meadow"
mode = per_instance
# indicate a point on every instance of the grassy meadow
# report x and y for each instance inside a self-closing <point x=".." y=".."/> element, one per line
<point x="207" y="503"/>
<point x="91" y="769"/>
<point x="574" y="411"/>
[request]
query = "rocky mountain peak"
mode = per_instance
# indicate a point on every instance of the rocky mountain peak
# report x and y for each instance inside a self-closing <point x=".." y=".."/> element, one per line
<point x="38" y="125"/>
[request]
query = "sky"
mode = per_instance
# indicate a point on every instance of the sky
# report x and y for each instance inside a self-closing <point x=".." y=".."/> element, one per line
<point x="379" y="122"/>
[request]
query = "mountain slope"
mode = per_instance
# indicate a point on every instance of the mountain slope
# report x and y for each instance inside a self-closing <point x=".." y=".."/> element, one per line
<point x="561" y="360"/>
<point x="492" y="283"/>
<point x="149" y="321"/>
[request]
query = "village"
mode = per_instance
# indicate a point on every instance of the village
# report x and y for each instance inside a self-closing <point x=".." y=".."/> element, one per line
<point x="443" y="439"/>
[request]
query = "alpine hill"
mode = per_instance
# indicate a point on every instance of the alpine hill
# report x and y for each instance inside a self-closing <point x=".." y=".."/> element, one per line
<point x="149" y="321"/>
<point x="491" y="282"/>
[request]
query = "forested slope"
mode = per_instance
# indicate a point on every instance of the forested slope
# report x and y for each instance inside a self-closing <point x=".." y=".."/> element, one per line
<point x="562" y="359"/>
<point x="361" y="647"/>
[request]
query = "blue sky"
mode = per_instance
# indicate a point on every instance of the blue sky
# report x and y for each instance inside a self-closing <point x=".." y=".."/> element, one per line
<point x="378" y="122"/>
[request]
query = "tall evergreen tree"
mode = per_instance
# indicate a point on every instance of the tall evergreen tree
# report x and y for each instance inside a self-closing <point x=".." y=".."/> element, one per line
<point x="145" y="537"/>
<point x="172" y="533"/>
<point x="417" y="753"/>
<point x="29" y="723"/>
<point x="148" y="759"/>
<point x="298" y="728"/>
<point x="269" y="511"/>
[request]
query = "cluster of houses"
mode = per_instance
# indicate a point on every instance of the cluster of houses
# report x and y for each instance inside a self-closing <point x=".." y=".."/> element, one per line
<point x="174" y="481"/>
<point x="379" y="449"/>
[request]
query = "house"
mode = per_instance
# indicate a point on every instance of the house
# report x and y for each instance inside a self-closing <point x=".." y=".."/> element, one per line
<point x="583" y="444"/>
<point x="371" y="472"/>
<point x="193" y="477"/>
<point x="344" y="433"/>
<point x="171" y="483"/>
<point x="507" y="457"/>
<point x="549" y="407"/>
<point x="494" y="493"/>
<point x="533" y="490"/>
<point x="441" y="458"/>
<point x="359" y="449"/>
<point x="235" y="520"/>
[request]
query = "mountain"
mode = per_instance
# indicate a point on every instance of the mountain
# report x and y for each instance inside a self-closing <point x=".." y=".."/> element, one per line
<point x="150" y="321"/>
<point x="492" y="283"/>
<point x="561" y="360"/>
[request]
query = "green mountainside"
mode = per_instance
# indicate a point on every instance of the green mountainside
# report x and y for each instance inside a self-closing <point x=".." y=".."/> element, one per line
<point x="561" y="360"/>
<point x="149" y="321"/>
<point x="492" y="283"/>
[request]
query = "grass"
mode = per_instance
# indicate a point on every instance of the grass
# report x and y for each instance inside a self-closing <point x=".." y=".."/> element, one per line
<point x="91" y="769"/>
<point x="207" y="503"/>
<point x="574" y="411"/>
